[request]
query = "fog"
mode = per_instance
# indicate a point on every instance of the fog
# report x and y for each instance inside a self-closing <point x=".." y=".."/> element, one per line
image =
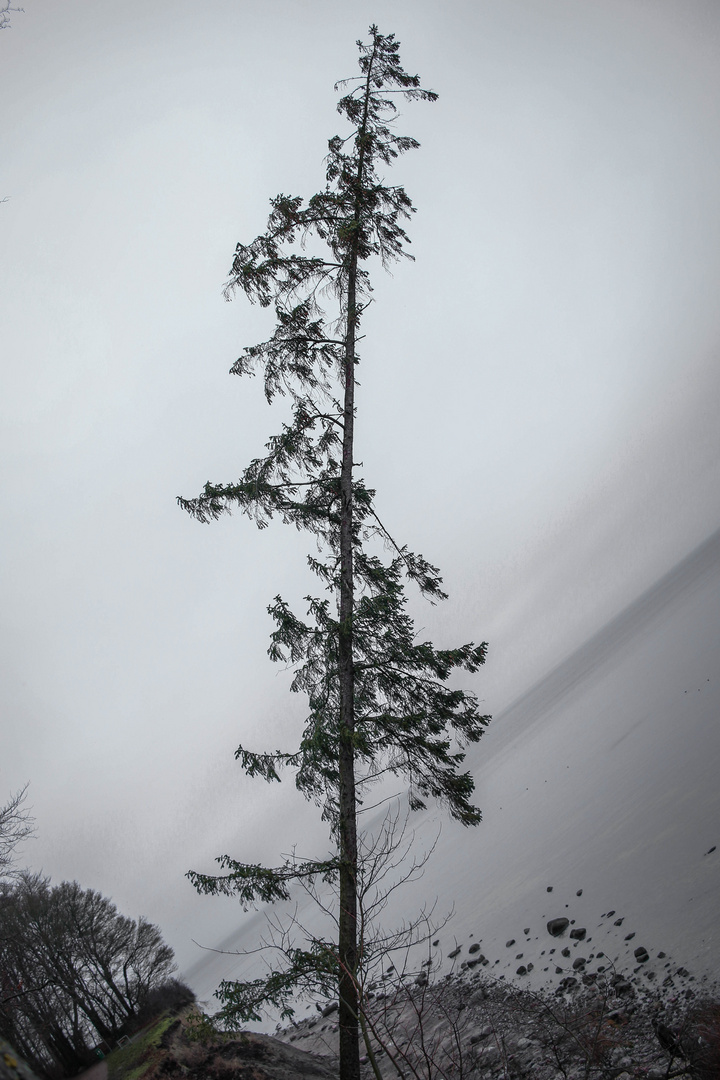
<point x="598" y="785"/>
<point x="538" y="406"/>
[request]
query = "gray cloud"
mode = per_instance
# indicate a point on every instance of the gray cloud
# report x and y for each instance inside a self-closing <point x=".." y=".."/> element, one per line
<point x="539" y="390"/>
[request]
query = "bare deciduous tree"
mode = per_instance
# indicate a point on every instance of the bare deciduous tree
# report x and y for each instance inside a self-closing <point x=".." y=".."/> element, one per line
<point x="16" y="825"/>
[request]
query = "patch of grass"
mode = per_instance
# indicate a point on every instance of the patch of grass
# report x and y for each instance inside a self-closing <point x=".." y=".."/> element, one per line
<point x="132" y="1061"/>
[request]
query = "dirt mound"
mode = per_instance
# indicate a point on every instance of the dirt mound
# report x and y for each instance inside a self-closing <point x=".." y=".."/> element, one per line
<point x="190" y="1050"/>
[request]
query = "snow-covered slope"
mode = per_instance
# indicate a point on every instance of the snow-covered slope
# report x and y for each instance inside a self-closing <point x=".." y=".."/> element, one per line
<point x="602" y="778"/>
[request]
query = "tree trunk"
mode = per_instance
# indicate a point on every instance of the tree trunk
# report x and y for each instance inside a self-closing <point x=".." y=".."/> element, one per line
<point x="347" y="823"/>
<point x="348" y="1018"/>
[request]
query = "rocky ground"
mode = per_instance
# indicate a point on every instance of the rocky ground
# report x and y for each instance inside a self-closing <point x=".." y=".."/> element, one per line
<point x="565" y="1010"/>
<point x="190" y="1049"/>
<point x="485" y="1029"/>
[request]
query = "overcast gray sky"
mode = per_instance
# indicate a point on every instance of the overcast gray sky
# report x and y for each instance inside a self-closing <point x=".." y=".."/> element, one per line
<point x="539" y="393"/>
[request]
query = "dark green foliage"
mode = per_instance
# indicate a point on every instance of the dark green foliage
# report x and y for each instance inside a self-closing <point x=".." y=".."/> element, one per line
<point x="170" y="996"/>
<point x="315" y="969"/>
<point x="379" y="700"/>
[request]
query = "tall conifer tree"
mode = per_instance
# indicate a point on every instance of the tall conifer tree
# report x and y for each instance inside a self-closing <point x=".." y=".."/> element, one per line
<point x="378" y="699"/>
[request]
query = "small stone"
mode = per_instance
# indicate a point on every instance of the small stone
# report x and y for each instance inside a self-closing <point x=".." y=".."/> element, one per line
<point x="609" y="915"/>
<point x="579" y="892"/>
<point x="578" y="932"/>
<point x="455" y="952"/>
<point x="641" y="954"/>
<point x="436" y="942"/>
<point x="519" y="956"/>
<point x="549" y="888"/>
<point x="661" y="955"/>
<point x="566" y="952"/>
<point x="619" y="922"/>
<point x="558" y="971"/>
<point x="522" y="970"/>
<point x="629" y="937"/>
<point x="474" y="948"/>
<point x="526" y="930"/>
<point x="579" y="963"/>
<point x="510" y="943"/>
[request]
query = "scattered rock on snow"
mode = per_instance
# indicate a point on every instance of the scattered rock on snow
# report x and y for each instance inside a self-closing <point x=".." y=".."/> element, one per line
<point x="556" y="927"/>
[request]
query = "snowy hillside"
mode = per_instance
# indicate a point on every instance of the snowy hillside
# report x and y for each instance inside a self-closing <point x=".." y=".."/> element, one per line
<point x="599" y="788"/>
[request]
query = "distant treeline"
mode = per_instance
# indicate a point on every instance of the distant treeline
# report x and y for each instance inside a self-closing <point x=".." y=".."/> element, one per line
<point x="75" y="974"/>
